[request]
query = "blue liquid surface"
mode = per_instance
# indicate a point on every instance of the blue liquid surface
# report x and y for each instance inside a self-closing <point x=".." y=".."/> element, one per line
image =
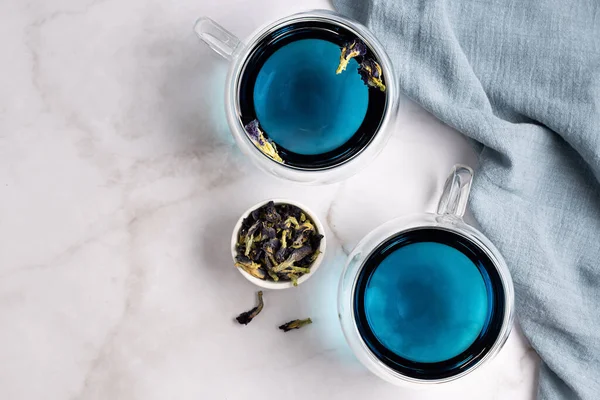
<point x="302" y="104"/>
<point x="426" y="302"/>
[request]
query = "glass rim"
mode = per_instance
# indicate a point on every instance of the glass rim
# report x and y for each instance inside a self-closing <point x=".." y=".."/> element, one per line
<point x="241" y="58"/>
<point x="346" y="298"/>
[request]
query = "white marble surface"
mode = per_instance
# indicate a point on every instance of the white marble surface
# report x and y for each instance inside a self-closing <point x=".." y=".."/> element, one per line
<point x="119" y="184"/>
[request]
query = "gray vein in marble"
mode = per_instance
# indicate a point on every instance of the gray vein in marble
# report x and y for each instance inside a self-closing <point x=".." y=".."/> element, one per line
<point x="331" y="223"/>
<point x="61" y="257"/>
<point x="135" y="283"/>
<point x="35" y="30"/>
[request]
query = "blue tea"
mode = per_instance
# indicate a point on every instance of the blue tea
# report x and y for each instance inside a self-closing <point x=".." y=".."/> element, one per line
<point x="429" y="302"/>
<point x="301" y="102"/>
<point x="315" y="117"/>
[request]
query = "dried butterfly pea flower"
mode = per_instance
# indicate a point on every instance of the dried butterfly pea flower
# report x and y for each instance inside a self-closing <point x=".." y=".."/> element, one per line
<point x="269" y="264"/>
<point x="257" y="255"/>
<point x="246" y="224"/>
<point x="352" y="49"/>
<point x="258" y="138"/>
<point x="277" y="242"/>
<point x="270" y="212"/>
<point x="269" y="233"/>
<point x="304" y="232"/>
<point x="282" y="254"/>
<point x="307" y="261"/>
<point x="296" y="256"/>
<point x="246" y="317"/>
<point x="295" y="324"/>
<point x="271" y="246"/>
<point x="300" y="239"/>
<point x="294" y="211"/>
<point x="315" y="241"/>
<point x="371" y="74"/>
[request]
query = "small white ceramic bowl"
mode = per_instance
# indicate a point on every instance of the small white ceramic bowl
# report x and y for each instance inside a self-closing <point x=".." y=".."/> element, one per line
<point x="267" y="284"/>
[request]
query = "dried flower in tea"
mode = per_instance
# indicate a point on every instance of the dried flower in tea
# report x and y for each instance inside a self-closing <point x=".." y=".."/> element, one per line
<point x="274" y="245"/>
<point x="261" y="141"/>
<point x="353" y="49"/>
<point x="295" y="324"/>
<point x="246" y="317"/>
<point x="371" y="74"/>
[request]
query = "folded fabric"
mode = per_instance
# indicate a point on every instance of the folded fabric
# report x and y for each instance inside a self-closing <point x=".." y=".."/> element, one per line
<point x="521" y="78"/>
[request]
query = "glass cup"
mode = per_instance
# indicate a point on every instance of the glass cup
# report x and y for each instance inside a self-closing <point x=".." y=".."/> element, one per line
<point x="449" y="220"/>
<point x="239" y="53"/>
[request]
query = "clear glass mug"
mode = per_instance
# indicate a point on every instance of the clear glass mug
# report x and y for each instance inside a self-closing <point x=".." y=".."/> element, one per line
<point x="449" y="217"/>
<point x="238" y="53"/>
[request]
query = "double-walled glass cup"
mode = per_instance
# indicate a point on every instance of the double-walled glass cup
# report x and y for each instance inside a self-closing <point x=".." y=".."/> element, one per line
<point x="449" y="220"/>
<point x="238" y="54"/>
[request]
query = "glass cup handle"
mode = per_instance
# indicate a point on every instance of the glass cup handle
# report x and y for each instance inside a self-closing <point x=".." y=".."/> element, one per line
<point x="218" y="38"/>
<point x="456" y="191"/>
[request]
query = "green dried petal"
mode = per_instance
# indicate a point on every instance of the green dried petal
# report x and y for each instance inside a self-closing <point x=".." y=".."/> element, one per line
<point x="249" y="241"/>
<point x="252" y="268"/>
<point x="273" y="275"/>
<point x="294" y="269"/>
<point x="269" y="263"/>
<point x="284" y="265"/>
<point x="293" y="278"/>
<point x="291" y="221"/>
<point x="306" y="225"/>
<point x="315" y="255"/>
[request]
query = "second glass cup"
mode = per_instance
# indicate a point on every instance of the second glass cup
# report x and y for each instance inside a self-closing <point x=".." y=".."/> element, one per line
<point x="334" y="135"/>
<point x="427" y="299"/>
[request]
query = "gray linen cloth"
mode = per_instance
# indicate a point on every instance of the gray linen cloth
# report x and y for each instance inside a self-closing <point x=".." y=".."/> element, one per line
<point x="522" y="79"/>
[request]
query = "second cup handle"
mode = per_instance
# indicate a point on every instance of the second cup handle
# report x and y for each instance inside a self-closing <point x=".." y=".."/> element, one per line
<point x="218" y="38"/>
<point x="456" y="192"/>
